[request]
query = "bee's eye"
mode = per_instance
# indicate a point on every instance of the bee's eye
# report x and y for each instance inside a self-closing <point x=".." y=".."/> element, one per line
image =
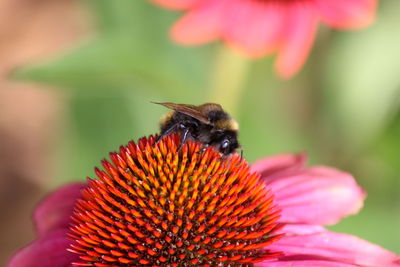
<point x="225" y="143"/>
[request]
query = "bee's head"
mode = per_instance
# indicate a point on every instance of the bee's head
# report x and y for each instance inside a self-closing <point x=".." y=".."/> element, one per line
<point x="225" y="141"/>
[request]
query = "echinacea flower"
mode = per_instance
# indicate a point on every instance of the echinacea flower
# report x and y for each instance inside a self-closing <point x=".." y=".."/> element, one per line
<point x="260" y="27"/>
<point x="155" y="206"/>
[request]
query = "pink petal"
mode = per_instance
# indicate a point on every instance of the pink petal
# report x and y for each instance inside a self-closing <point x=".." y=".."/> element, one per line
<point x="318" y="195"/>
<point x="271" y="167"/>
<point x="254" y="27"/>
<point x="302" y="229"/>
<point x="55" y="210"/>
<point x="303" y="263"/>
<point x="298" y="40"/>
<point x="49" y="250"/>
<point x="324" y="248"/>
<point x="347" y="14"/>
<point x="200" y="25"/>
<point x="176" y="4"/>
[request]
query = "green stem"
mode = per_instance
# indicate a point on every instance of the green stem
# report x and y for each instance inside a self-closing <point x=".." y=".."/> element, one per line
<point x="230" y="73"/>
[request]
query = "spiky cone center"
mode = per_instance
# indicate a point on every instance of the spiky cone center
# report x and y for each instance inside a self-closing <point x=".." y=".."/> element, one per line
<point x="155" y="206"/>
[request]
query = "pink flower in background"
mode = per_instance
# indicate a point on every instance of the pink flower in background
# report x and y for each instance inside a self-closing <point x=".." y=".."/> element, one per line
<point x="108" y="229"/>
<point x="260" y="27"/>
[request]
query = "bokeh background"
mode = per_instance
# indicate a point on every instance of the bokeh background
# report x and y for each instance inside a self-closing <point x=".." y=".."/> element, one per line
<point x="77" y="78"/>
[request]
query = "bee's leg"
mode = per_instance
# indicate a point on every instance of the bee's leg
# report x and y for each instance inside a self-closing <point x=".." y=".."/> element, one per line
<point x="203" y="148"/>
<point x="165" y="133"/>
<point x="184" y="138"/>
<point x="241" y="156"/>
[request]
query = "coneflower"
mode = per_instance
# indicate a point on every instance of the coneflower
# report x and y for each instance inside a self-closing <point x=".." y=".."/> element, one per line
<point x="257" y="28"/>
<point x="155" y="206"/>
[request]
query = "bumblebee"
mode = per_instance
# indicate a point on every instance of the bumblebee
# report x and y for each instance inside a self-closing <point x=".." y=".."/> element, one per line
<point x="207" y="123"/>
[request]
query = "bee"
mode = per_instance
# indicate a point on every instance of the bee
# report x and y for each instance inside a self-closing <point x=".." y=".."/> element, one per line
<point x="207" y="123"/>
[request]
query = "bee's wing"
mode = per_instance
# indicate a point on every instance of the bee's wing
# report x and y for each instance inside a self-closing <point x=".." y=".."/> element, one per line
<point x="190" y="110"/>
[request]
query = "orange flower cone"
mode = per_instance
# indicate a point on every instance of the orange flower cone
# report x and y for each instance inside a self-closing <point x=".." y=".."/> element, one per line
<point x="154" y="206"/>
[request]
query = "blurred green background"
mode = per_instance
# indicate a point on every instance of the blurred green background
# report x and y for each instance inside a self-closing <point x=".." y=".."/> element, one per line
<point x="342" y="108"/>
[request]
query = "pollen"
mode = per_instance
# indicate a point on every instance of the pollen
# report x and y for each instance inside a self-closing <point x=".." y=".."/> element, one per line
<point x="154" y="205"/>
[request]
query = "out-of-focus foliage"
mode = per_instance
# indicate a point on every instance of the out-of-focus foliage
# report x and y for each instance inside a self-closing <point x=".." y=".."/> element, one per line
<point x="343" y="109"/>
<point x="114" y="75"/>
